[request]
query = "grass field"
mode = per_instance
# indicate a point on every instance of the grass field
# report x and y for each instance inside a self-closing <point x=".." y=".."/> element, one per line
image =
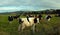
<point x="44" y="28"/>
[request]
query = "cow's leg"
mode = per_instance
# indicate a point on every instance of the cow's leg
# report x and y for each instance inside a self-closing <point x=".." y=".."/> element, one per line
<point x="19" y="27"/>
<point x="23" y="26"/>
<point x="10" y="22"/>
<point x="49" y="19"/>
<point x="38" y="21"/>
<point x="33" y="28"/>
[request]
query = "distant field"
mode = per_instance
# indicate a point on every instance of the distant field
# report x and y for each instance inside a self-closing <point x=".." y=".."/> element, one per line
<point x="44" y="28"/>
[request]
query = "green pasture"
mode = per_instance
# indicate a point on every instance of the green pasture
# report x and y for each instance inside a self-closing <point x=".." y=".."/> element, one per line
<point x="44" y="28"/>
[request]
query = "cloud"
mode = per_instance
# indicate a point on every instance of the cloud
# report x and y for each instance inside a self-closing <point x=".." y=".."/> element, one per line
<point x="14" y="5"/>
<point x="7" y="8"/>
<point x="40" y="3"/>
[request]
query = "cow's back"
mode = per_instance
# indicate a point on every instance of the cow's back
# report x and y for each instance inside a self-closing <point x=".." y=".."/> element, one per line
<point x="25" y="22"/>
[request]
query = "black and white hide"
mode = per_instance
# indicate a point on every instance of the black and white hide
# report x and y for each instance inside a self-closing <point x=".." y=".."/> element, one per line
<point x="25" y="23"/>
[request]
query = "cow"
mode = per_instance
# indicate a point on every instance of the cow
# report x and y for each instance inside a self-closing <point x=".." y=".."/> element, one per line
<point x="40" y="17"/>
<point x="25" y="23"/>
<point x="10" y="19"/>
<point x="48" y="17"/>
<point x="17" y="16"/>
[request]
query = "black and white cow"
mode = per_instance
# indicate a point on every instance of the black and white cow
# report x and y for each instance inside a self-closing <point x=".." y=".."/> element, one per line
<point x="48" y="17"/>
<point x="10" y="19"/>
<point x="25" y="23"/>
<point x="17" y="16"/>
<point x="40" y="17"/>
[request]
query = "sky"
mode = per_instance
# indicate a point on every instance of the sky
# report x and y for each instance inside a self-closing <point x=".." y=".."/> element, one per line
<point x="28" y="5"/>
